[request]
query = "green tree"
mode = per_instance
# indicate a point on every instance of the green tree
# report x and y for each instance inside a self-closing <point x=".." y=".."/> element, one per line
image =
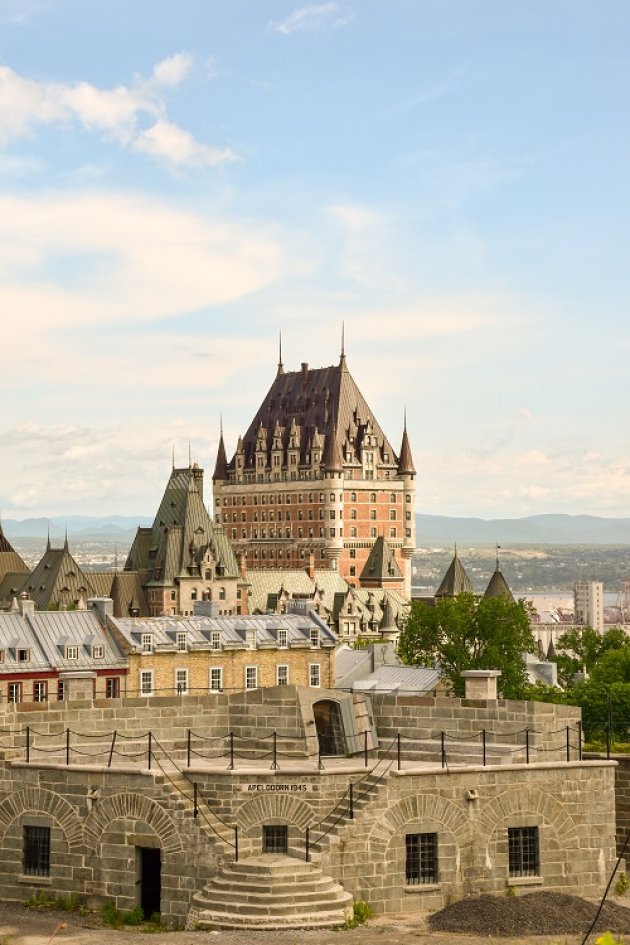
<point x="469" y="632"/>
<point x="583" y="648"/>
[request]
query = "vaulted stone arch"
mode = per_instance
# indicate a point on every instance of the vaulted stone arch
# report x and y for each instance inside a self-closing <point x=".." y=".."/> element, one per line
<point x="523" y="801"/>
<point x="284" y="807"/>
<point x="36" y="800"/>
<point x="135" y="807"/>
<point x="417" y="808"/>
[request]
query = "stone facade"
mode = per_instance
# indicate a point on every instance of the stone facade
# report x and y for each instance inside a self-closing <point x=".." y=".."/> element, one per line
<point x="101" y="818"/>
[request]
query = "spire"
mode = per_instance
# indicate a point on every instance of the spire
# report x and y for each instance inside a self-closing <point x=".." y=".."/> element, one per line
<point x="189" y="455"/>
<point x="220" y="468"/>
<point x="405" y="461"/>
<point x="48" y="538"/>
<point x="455" y="581"/>
<point x="342" y="359"/>
<point x="280" y="364"/>
<point x="65" y="541"/>
<point x="173" y="459"/>
<point x="497" y="562"/>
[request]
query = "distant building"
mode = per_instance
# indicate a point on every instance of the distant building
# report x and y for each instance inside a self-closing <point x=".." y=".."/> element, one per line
<point x="588" y="599"/>
<point x="315" y="474"/>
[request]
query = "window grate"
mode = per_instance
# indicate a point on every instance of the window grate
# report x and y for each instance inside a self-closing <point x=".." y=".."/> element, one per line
<point x="523" y="851"/>
<point x="37" y="851"/>
<point x="422" y="858"/>
<point x="275" y="838"/>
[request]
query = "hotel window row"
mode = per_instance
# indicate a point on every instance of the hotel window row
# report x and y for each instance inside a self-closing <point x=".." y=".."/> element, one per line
<point x="215" y="683"/>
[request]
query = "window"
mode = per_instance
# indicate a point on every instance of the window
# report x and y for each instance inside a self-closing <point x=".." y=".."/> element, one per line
<point x="251" y="677"/>
<point x="14" y="692"/>
<point x="275" y="838"/>
<point x="72" y="652"/>
<point x="392" y="533"/>
<point x="373" y="514"/>
<point x="98" y="652"/>
<point x="112" y="687"/>
<point x="353" y="497"/>
<point x="61" y="691"/>
<point x="282" y="675"/>
<point x="282" y="638"/>
<point x="392" y="497"/>
<point x="314" y="636"/>
<point x="315" y="675"/>
<point x="40" y="692"/>
<point x="36" y="854"/>
<point x="146" y="682"/>
<point x="353" y="514"/>
<point x="215" y="640"/>
<point x="372" y="533"/>
<point x="523" y="851"/>
<point x="147" y="643"/>
<point x="392" y="515"/>
<point x="216" y="679"/>
<point x="181" y="681"/>
<point x="421" y="864"/>
<point x="23" y="656"/>
<point x="372" y="497"/>
<point x="180" y="641"/>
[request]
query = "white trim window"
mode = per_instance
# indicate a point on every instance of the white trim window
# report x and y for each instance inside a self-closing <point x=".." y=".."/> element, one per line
<point x="181" y="641"/>
<point x="314" y="675"/>
<point x="98" y="651"/>
<point x="216" y="679"/>
<point x="147" y="642"/>
<point x="251" y="677"/>
<point x="314" y="636"/>
<point x="146" y="682"/>
<point x="215" y="640"/>
<point x="181" y="682"/>
<point x="14" y="692"/>
<point x="282" y="638"/>
<point x="282" y="674"/>
<point x="72" y="652"/>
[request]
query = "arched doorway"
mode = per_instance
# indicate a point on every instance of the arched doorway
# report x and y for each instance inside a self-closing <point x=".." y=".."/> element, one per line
<point x="329" y="727"/>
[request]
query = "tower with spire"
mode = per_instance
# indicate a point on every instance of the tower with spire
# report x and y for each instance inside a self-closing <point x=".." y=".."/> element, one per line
<point x="315" y="475"/>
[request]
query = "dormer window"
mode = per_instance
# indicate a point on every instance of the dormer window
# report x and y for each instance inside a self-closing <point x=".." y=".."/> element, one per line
<point x="181" y="642"/>
<point x="314" y="636"/>
<point x="1" y="656"/>
<point x="23" y="656"/>
<point x="72" y="652"/>
<point x="282" y="638"/>
<point x="147" y="642"/>
<point x="98" y="651"/>
<point x="215" y="640"/>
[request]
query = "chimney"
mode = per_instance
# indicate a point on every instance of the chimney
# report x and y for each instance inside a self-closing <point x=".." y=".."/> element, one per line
<point x="242" y="564"/>
<point x="310" y="568"/>
<point x="104" y="607"/>
<point x="27" y="606"/>
<point x="481" y="683"/>
<point x="304" y="372"/>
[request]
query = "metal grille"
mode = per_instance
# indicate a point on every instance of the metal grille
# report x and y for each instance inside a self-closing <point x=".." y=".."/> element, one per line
<point x="275" y="838"/>
<point x="37" y="851"/>
<point x="523" y="853"/>
<point x="422" y="858"/>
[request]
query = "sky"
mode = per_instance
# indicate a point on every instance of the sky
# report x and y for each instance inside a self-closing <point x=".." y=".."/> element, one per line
<point x="181" y="180"/>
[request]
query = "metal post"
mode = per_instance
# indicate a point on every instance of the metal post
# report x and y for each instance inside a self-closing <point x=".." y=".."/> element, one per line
<point x="443" y="748"/>
<point x="351" y="808"/>
<point x="307" y="845"/>
<point x="398" y="752"/>
<point x="579" y="728"/>
<point x="67" y="746"/>
<point x="28" y="744"/>
<point x="608" y="725"/>
<point x="483" y="742"/>
<point x="236" y="844"/>
<point x="568" y="745"/>
<point x="195" y="804"/>
<point x="231" y="764"/>
<point x="188" y="749"/>
<point x="149" y="749"/>
<point x="111" y="750"/>
<point x="365" y="748"/>
<point x="526" y="746"/>
<point x="274" y="763"/>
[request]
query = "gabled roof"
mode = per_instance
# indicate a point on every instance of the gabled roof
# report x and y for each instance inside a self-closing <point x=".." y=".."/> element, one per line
<point x="381" y="564"/>
<point x="125" y="588"/>
<point x="315" y="401"/>
<point x="181" y="534"/>
<point x="57" y="580"/>
<point x="10" y="560"/>
<point x="455" y="581"/>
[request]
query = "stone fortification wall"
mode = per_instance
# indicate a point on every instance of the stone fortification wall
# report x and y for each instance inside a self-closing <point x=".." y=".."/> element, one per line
<point x="622" y="797"/>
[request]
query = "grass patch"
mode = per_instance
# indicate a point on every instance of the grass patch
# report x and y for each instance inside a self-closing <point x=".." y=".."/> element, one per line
<point x="117" y="918"/>
<point x="361" y="912"/>
<point x="44" y="900"/>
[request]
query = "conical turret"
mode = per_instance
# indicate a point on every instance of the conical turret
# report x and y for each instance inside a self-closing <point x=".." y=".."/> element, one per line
<point x="220" y="468"/>
<point x="405" y="462"/>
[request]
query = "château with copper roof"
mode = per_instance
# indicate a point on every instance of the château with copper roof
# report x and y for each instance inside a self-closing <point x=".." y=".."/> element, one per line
<point x="315" y="473"/>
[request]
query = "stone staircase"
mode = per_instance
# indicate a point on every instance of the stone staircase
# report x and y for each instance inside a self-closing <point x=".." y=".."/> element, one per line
<point x="181" y="797"/>
<point x="461" y="754"/>
<point x="271" y="891"/>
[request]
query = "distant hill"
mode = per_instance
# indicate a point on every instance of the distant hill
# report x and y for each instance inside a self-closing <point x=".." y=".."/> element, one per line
<point x="79" y="526"/>
<point x="531" y="530"/>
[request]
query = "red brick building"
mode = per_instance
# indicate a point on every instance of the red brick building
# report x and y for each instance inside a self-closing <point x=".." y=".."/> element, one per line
<point x="315" y="474"/>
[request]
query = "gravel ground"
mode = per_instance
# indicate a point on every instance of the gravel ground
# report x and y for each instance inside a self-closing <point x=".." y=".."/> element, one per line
<point x="489" y="919"/>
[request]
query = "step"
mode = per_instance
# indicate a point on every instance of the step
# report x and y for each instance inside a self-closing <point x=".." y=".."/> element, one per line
<point x="259" y="910"/>
<point x="218" y="921"/>
<point x="227" y="884"/>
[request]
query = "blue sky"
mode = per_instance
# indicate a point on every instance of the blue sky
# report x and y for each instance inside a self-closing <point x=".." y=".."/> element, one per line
<point x="181" y="180"/>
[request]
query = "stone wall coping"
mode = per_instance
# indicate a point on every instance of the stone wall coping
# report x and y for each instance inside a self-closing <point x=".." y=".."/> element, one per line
<point x="480" y="673"/>
<point x="532" y="766"/>
<point x="92" y="769"/>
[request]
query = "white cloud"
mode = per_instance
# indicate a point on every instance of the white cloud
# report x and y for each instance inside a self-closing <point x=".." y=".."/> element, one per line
<point x="312" y="17"/>
<point x="120" y="113"/>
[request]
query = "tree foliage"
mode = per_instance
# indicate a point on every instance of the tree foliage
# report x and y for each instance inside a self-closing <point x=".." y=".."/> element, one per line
<point x="469" y="632"/>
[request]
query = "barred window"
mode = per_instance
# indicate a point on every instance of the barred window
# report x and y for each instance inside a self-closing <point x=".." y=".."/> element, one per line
<point x="36" y="851"/>
<point x="421" y="864"/>
<point x="523" y="851"/>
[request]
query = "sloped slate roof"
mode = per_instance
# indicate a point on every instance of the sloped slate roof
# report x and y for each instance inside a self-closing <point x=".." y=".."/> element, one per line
<point x="407" y="679"/>
<point x="57" y="578"/>
<point x="124" y="587"/>
<point x="381" y="564"/>
<point x="267" y="584"/>
<point x="46" y="635"/>
<point x="498" y="586"/>
<point x="455" y="581"/>
<point x="316" y="399"/>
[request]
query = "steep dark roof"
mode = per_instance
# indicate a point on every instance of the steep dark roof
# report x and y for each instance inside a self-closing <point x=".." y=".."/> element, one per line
<point x="332" y="460"/>
<point x="57" y="579"/>
<point x="316" y="400"/>
<point x="455" y="581"/>
<point x="5" y="544"/>
<point x="10" y="560"/>
<point x="498" y="586"/>
<point x="381" y="564"/>
<point x="220" y="467"/>
<point x="405" y="462"/>
<point x="181" y="533"/>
